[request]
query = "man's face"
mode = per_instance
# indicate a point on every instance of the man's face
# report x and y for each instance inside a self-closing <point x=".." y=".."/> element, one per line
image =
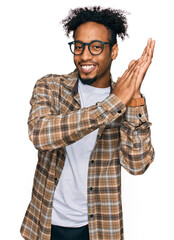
<point x="94" y="70"/>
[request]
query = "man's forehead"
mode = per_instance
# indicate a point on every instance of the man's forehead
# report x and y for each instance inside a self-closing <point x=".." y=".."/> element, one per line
<point x="91" y="31"/>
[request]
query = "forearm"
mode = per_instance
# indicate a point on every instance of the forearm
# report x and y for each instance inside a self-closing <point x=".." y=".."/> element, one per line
<point x="49" y="130"/>
<point x="136" y="150"/>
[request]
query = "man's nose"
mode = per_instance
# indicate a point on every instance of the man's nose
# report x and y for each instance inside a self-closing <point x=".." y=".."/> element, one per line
<point x="86" y="55"/>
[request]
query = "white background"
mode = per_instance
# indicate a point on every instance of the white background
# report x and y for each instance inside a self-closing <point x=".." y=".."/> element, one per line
<point x="33" y="44"/>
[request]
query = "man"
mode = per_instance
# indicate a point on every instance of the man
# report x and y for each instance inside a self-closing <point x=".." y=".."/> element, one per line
<point x="85" y="128"/>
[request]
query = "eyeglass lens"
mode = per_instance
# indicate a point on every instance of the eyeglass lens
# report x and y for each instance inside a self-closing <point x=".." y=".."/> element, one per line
<point x="94" y="47"/>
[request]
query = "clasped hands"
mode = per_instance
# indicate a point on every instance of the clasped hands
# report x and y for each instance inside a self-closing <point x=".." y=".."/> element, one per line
<point x="128" y="86"/>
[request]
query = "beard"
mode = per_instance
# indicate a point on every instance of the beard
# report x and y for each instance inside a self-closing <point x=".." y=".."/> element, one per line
<point x="88" y="81"/>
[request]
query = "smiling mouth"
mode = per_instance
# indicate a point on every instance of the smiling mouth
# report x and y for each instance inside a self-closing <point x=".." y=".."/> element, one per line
<point x="86" y="68"/>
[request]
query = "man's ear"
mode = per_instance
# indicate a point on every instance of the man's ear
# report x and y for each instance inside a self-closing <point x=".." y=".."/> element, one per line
<point x="114" y="51"/>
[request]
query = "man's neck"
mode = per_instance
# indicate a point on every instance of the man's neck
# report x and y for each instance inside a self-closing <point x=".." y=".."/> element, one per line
<point x="102" y="83"/>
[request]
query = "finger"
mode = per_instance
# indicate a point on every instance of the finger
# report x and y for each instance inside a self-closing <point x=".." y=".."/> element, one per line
<point x="152" y="47"/>
<point x="134" y="76"/>
<point x="130" y="68"/>
<point x="148" y="56"/>
<point x="121" y="80"/>
<point x="126" y="72"/>
<point x="132" y="72"/>
<point x="147" y="47"/>
<point x="150" y="52"/>
<point x="132" y="62"/>
<point x="118" y="79"/>
<point x="149" y="42"/>
<point x="144" y="52"/>
<point x="147" y="51"/>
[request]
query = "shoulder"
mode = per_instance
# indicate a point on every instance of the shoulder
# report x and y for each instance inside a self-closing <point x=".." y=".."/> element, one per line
<point x="55" y="80"/>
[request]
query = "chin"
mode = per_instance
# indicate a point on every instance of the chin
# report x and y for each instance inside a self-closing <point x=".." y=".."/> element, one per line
<point x="88" y="81"/>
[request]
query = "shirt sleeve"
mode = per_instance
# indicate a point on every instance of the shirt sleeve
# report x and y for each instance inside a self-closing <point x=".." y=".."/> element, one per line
<point x="49" y="130"/>
<point x="136" y="150"/>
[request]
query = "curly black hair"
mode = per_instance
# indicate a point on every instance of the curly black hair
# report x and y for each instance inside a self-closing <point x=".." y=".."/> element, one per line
<point x="114" y="20"/>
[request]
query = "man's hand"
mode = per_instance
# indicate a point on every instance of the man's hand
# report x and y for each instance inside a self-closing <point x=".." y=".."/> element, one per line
<point x="128" y="86"/>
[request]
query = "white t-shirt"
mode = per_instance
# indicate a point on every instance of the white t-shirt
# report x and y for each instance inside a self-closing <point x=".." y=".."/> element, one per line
<point x="70" y="197"/>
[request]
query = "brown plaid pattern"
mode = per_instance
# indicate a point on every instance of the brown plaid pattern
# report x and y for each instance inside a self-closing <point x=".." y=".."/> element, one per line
<point x="56" y="119"/>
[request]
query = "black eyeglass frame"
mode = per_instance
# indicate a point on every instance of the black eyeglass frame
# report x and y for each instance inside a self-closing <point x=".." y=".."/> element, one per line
<point x="88" y="44"/>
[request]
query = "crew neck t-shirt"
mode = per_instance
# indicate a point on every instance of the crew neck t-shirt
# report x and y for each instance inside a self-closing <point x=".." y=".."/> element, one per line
<point x="70" y="197"/>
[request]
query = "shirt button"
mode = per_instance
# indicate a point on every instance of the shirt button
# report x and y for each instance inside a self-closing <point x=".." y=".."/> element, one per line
<point x="119" y="111"/>
<point x="92" y="161"/>
<point x="91" y="215"/>
<point x="90" y="188"/>
<point x="139" y="115"/>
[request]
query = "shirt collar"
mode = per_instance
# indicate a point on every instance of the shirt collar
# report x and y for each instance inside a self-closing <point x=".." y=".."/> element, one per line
<point x="71" y="82"/>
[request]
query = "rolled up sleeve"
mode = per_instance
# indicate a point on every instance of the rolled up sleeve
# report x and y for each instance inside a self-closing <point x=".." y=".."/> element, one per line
<point x="136" y="150"/>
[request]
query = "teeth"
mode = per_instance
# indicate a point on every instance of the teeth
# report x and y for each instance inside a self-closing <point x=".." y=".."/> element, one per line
<point x="87" y="67"/>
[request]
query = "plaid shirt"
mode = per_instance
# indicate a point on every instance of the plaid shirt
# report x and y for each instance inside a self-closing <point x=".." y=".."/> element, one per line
<point x="56" y="119"/>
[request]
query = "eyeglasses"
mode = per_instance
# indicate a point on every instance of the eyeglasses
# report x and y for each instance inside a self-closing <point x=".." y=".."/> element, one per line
<point x="95" y="47"/>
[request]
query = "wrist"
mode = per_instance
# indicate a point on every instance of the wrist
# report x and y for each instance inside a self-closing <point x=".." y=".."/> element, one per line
<point x="137" y="95"/>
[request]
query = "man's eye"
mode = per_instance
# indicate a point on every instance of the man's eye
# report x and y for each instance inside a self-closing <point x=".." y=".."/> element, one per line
<point x="78" y="47"/>
<point x="97" y="46"/>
